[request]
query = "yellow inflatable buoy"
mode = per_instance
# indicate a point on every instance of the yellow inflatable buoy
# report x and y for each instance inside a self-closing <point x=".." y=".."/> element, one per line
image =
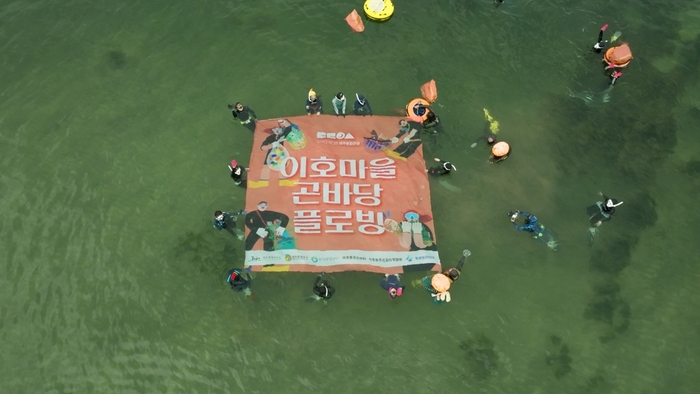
<point x="379" y="10"/>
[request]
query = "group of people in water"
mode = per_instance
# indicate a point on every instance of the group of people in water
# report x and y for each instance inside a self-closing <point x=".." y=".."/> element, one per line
<point x="419" y="111"/>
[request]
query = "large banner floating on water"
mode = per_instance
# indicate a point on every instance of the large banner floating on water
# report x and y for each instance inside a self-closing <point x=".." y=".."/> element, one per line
<point x="329" y="193"/>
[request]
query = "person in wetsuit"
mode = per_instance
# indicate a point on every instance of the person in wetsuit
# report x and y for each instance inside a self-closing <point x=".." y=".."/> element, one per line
<point x="238" y="283"/>
<point x="444" y="168"/>
<point x="261" y="223"/>
<point x="313" y="104"/>
<point x="237" y="172"/>
<point x="431" y="124"/>
<point x="532" y="225"/>
<point x="409" y="136"/>
<point x="339" y="102"/>
<point x="602" y="211"/>
<point x="392" y="284"/>
<point x="487" y="135"/>
<point x="226" y="221"/>
<point x="322" y="288"/>
<point x="454" y="273"/>
<point x="244" y="114"/>
<point x="361" y="106"/>
<point x="600" y="44"/>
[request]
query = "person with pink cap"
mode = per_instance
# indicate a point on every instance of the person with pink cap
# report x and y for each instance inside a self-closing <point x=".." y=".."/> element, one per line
<point x="237" y="172"/>
<point x="392" y="284"/>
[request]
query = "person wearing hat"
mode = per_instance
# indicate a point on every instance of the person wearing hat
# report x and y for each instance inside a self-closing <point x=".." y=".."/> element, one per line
<point x="227" y="221"/>
<point x="438" y="286"/>
<point x="238" y="283"/>
<point x="444" y="168"/>
<point x="361" y="106"/>
<point x="313" y="103"/>
<point x="237" y="172"/>
<point x="339" y="102"/>
<point x="322" y="288"/>
<point x="244" y="114"/>
<point x="602" y="211"/>
<point x="392" y="284"/>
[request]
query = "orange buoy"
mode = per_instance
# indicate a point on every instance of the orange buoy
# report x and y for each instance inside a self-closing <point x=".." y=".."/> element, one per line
<point x="411" y="113"/>
<point x="500" y="149"/>
<point x="355" y="22"/>
<point x="440" y="283"/>
<point x="619" y="56"/>
<point x="429" y="91"/>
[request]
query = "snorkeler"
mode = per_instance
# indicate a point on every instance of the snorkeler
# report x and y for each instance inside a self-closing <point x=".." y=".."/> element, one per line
<point x="444" y="168"/>
<point x="339" y="102"/>
<point x="600" y="44"/>
<point x="227" y="221"/>
<point x="454" y="273"/>
<point x="533" y="226"/>
<point x="237" y="172"/>
<point x="614" y="76"/>
<point x="431" y="122"/>
<point x="245" y="115"/>
<point x="238" y="283"/>
<point x="361" y="106"/>
<point x="313" y="103"/>
<point x="602" y="211"/>
<point x="392" y="284"/>
<point x="322" y="288"/>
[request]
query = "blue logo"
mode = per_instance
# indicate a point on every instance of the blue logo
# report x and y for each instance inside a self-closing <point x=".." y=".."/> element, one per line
<point x="314" y="259"/>
<point x="409" y="258"/>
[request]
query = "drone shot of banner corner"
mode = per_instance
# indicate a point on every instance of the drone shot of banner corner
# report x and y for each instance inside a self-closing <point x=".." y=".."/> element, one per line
<point x="331" y="194"/>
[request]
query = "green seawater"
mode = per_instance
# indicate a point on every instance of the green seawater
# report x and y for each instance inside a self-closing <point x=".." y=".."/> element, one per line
<point x="114" y="141"/>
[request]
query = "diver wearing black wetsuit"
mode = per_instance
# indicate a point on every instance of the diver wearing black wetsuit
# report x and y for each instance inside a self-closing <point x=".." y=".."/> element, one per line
<point x="237" y="282"/>
<point x="244" y="114"/>
<point x="322" y="289"/>
<point x="602" y="211"/>
<point x="453" y="273"/>
<point x="445" y="168"/>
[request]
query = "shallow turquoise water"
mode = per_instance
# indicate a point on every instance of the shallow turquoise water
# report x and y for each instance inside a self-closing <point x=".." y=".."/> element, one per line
<point x="114" y="139"/>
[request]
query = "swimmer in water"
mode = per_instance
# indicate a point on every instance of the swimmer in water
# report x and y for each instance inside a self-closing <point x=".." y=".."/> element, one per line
<point x="444" y="168"/>
<point x="339" y="102"/>
<point x="322" y="288"/>
<point x="313" y="104"/>
<point x="454" y="273"/>
<point x="392" y="284"/>
<point x="238" y="283"/>
<point x="361" y="106"/>
<point x="227" y="221"/>
<point x="237" y="172"/>
<point x="244" y="114"/>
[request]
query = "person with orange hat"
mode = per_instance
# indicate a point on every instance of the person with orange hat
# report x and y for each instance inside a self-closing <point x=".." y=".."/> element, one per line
<point x="499" y="152"/>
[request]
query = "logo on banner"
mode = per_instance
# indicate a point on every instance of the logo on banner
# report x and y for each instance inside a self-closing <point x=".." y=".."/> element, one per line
<point x="322" y="135"/>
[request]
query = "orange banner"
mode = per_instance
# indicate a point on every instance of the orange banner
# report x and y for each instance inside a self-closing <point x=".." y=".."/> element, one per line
<point x="329" y="193"/>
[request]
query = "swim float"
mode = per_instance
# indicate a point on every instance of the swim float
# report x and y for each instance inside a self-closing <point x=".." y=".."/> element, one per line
<point x="500" y="149"/>
<point x="355" y="22"/>
<point x="411" y="110"/>
<point x="619" y="56"/>
<point x="429" y="91"/>
<point x="379" y="10"/>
